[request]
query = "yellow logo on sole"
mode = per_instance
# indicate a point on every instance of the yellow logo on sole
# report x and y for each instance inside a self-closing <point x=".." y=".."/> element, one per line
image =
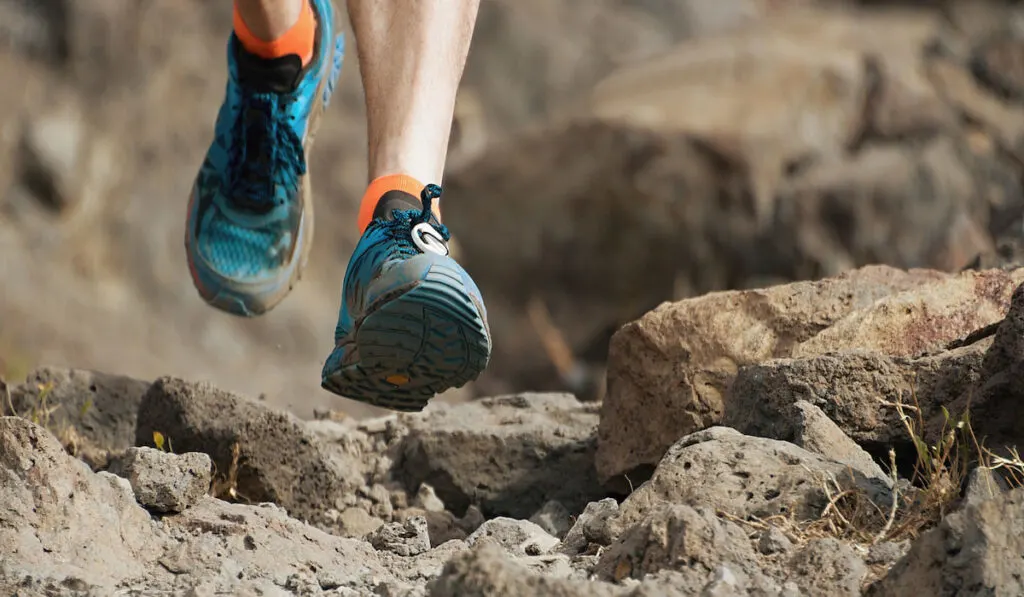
<point x="397" y="379"/>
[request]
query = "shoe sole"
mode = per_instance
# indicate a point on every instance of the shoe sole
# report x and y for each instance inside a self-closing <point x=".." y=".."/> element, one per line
<point x="251" y="300"/>
<point x="414" y="346"/>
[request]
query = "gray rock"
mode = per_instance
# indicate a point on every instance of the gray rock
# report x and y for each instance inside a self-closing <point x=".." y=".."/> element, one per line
<point x="441" y="526"/>
<point x="886" y="552"/>
<point x="279" y="459"/>
<point x="165" y="482"/>
<point x="744" y="476"/>
<point x="517" y="537"/>
<point x="828" y="567"/>
<point x="818" y="433"/>
<point x="471" y="520"/>
<point x="238" y="549"/>
<point x="419" y="569"/>
<point x="553" y="517"/>
<point x="485" y="571"/>
<point x="554" y="565"/>
<point x="595" y="525"/>
<point x="355" y="522"/>
<point x="725" y="583"/>
<point x="983" y="484"/>
<point x="65" y="530"/>
<point x="57" y="148"/>
<point x="426" y="498"/>
<point x="994" y="413"/>
<point x="694" y="543"/>
<point x="773" y="541"/>
<point x="974" y="551"/>
<point x="509" y="454"/>
<point x="855" y="389"/>
<point x="57" y="511"/>
<point x="409" y="538"/>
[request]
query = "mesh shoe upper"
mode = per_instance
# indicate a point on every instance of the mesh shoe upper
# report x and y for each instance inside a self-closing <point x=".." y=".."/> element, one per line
<point x="248" y="208"/>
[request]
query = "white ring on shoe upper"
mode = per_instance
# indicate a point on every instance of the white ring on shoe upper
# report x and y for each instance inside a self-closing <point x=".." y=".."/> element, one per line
<point x="427" y="239"/>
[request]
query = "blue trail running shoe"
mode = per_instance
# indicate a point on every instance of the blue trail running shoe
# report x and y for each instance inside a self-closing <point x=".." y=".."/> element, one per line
<point x="412" y="322"/>
<point x="250" y="215"/>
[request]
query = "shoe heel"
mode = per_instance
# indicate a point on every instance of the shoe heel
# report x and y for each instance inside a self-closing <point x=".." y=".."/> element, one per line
<point x="415" y="346"/>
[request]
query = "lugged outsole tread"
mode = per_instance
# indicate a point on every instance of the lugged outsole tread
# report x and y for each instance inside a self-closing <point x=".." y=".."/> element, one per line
<point x="432" y="334"/>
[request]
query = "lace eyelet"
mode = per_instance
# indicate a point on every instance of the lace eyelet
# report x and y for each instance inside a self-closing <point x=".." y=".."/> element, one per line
<point x="428" y="240"/>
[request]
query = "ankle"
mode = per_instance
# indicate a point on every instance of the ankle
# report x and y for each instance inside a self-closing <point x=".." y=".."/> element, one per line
<point x="272" y="29"/>
<point x="382" y="185"/>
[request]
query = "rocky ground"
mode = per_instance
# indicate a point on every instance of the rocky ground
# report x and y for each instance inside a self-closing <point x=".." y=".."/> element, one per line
<point x="687" y="208"/>
<point x="759" y="442"/>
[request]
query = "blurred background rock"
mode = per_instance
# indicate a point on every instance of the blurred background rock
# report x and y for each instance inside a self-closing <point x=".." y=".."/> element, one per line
<point x="608" y="155"/>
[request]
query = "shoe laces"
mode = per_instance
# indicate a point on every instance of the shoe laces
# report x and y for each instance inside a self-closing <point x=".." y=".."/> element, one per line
<point x="399" y="228"/>
<point x="267" y="153"/>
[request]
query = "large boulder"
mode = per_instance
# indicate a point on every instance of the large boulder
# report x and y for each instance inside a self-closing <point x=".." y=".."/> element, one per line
<point x="671" y="372"/>
<point x="263" y="455"/>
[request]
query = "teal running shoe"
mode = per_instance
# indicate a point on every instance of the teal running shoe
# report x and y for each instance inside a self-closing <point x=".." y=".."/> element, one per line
<point x="250" y="215"/>
<point x="412" y="322"/>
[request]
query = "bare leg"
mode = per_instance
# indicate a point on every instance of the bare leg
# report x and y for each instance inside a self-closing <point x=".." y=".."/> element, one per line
<point x="423" y="329"/>
<point x="269" y="19"/>
<point x="411" y="57"/>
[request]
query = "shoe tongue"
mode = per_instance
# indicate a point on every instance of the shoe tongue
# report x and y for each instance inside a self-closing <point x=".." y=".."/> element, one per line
<point x="393" y="200"/>
<point x="269" y="75"/>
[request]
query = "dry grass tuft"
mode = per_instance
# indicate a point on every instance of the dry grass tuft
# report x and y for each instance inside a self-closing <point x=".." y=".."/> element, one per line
<point x="41" y="412"/>
<point x="225" y="486"/>
<point x="940" y="472"/>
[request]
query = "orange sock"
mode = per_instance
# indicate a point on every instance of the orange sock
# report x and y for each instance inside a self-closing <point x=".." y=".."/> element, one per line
<point x="381" y="185"/>
<point x="298" y="40"/>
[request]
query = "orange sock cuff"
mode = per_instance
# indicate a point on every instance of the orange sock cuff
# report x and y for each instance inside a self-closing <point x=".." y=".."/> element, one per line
<point x="299" y="40"/>
<point x="376" y="190"/>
